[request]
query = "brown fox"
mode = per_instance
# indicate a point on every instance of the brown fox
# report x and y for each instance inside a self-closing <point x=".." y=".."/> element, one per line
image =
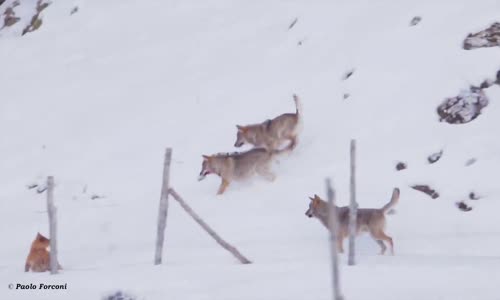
<point x="368" y="219"/>
<point x="271" y="134"/>
<point x="39" y="259"/>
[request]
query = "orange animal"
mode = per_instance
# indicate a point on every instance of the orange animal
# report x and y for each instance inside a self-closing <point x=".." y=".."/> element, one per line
<point x="39" y="259"/>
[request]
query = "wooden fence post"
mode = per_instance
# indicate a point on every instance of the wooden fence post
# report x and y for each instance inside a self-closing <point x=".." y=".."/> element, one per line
<point x="332" y="224"/>
<point x="353" y="208"/>
<point x="209" y="230"/>
<point x="52" y="212"/>
<point x="163" y="209"/>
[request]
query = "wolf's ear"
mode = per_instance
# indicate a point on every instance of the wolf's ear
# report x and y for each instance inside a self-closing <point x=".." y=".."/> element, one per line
<point x="239" y="127"/>
<point x="205" y="156"/>
<point x="312" y="199"/>
<point x="316" y="197"/>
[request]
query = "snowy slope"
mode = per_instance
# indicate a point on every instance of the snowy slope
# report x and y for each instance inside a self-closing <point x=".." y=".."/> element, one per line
<point x="95" y="97"/>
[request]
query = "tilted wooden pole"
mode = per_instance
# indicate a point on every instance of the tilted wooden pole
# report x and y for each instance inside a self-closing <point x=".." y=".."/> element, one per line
<point x="333" y="225"/>
<point x="163" y="209"/>
<point x="353" y="208"/>
<point x="52" y="212"/>
<point x="209" y="230"/>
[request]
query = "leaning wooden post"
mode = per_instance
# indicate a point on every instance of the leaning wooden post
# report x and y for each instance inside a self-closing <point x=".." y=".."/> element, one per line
<point x="209" y="230"/>
<point x="332" y="225"/>
<point x="163" y="210"/>
<point x="52" y="212"/>
<point x="353" y="208"/>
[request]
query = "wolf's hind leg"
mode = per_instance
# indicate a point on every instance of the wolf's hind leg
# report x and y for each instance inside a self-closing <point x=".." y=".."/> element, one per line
<point x="383" y="247"/>
<point x="265" y="172"/>
<point x="381" y="236"/>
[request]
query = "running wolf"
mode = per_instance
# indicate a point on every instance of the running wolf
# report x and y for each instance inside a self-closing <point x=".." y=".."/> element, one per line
<point x="370" y="220"/>
<point x="271" y="134"/>
<point x="237" y="166"/>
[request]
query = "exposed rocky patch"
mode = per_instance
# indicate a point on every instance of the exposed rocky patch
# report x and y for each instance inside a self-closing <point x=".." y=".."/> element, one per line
<point x="9" y="15"/>
<point x="426" y="190"/>
<point x="463" y="108"/>
<point x="435" y="157"/>
<point x="36" y="20"/>
<point x="489" y="37"/>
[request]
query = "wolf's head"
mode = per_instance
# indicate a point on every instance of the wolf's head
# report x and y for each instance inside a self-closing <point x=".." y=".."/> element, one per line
<point x="41" y="242"/>
<point x="241" y="136"/>
<point x="315" y="206"/>
<point x="206" y="167"/>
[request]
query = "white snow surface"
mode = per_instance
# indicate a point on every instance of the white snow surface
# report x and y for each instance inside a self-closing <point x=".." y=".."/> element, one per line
<point x="94" y="99"/>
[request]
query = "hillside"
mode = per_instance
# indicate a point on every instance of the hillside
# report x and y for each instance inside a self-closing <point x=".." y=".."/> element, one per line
<point x="94" y="97"/>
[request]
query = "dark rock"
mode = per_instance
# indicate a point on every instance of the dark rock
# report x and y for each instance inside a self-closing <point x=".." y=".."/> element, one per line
<point x="463" y="207"/>
<point x="293" y="23"/>
<point x="426" y="190"/>
<point x="348" y="74"/>
<point x="415" y="20"/>
<point x="470" y="162"/>
<point x="473" y="196"/>
<point x="346" y="95"/>
<point x="401" y="166"/>
<point x="119" y="295"/>
<point x="435" y="157"/>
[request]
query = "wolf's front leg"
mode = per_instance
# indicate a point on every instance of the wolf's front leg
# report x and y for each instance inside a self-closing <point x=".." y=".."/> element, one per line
<point x="223" y="186"/>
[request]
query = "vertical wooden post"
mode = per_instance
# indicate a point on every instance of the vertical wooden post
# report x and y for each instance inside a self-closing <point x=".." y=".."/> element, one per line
<point x="209" y="230"/>
<point x="332" y="224"/>
<point x="52" y="212"/>
<point x="353" y="208"/>
<point x="163" y="209"/>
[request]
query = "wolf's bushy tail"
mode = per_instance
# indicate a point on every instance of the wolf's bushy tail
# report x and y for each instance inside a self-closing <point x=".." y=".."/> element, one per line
<point x="298" y="111"/>
<point x="394" y="201"/>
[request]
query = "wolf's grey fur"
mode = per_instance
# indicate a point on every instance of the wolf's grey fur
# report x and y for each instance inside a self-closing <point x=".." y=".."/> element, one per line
<point x="370" y="220"/>
<point x="271" y="134"/>
<point x="238" y="166"/>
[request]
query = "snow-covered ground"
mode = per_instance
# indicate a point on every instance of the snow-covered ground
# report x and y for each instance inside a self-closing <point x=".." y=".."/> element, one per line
<point x="94" y="98"/>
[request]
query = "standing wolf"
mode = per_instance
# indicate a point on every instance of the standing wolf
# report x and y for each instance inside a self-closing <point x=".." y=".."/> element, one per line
<point x="238" y="166"/>
<point x="371" y="220"/>
<point x="271" y="134"/>
<point x="38" y="259"/>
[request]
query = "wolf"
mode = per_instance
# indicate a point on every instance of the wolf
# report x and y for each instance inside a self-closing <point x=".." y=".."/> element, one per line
<point x="370" y="220"/>
<point x="39" y="257"/>
<point x="238" y="166"/>
<point x="271" y="134"/>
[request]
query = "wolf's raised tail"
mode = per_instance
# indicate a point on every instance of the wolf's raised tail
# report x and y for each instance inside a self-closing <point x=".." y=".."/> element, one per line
<point x="393" y="202"/>
<point x="298" y="105"/>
